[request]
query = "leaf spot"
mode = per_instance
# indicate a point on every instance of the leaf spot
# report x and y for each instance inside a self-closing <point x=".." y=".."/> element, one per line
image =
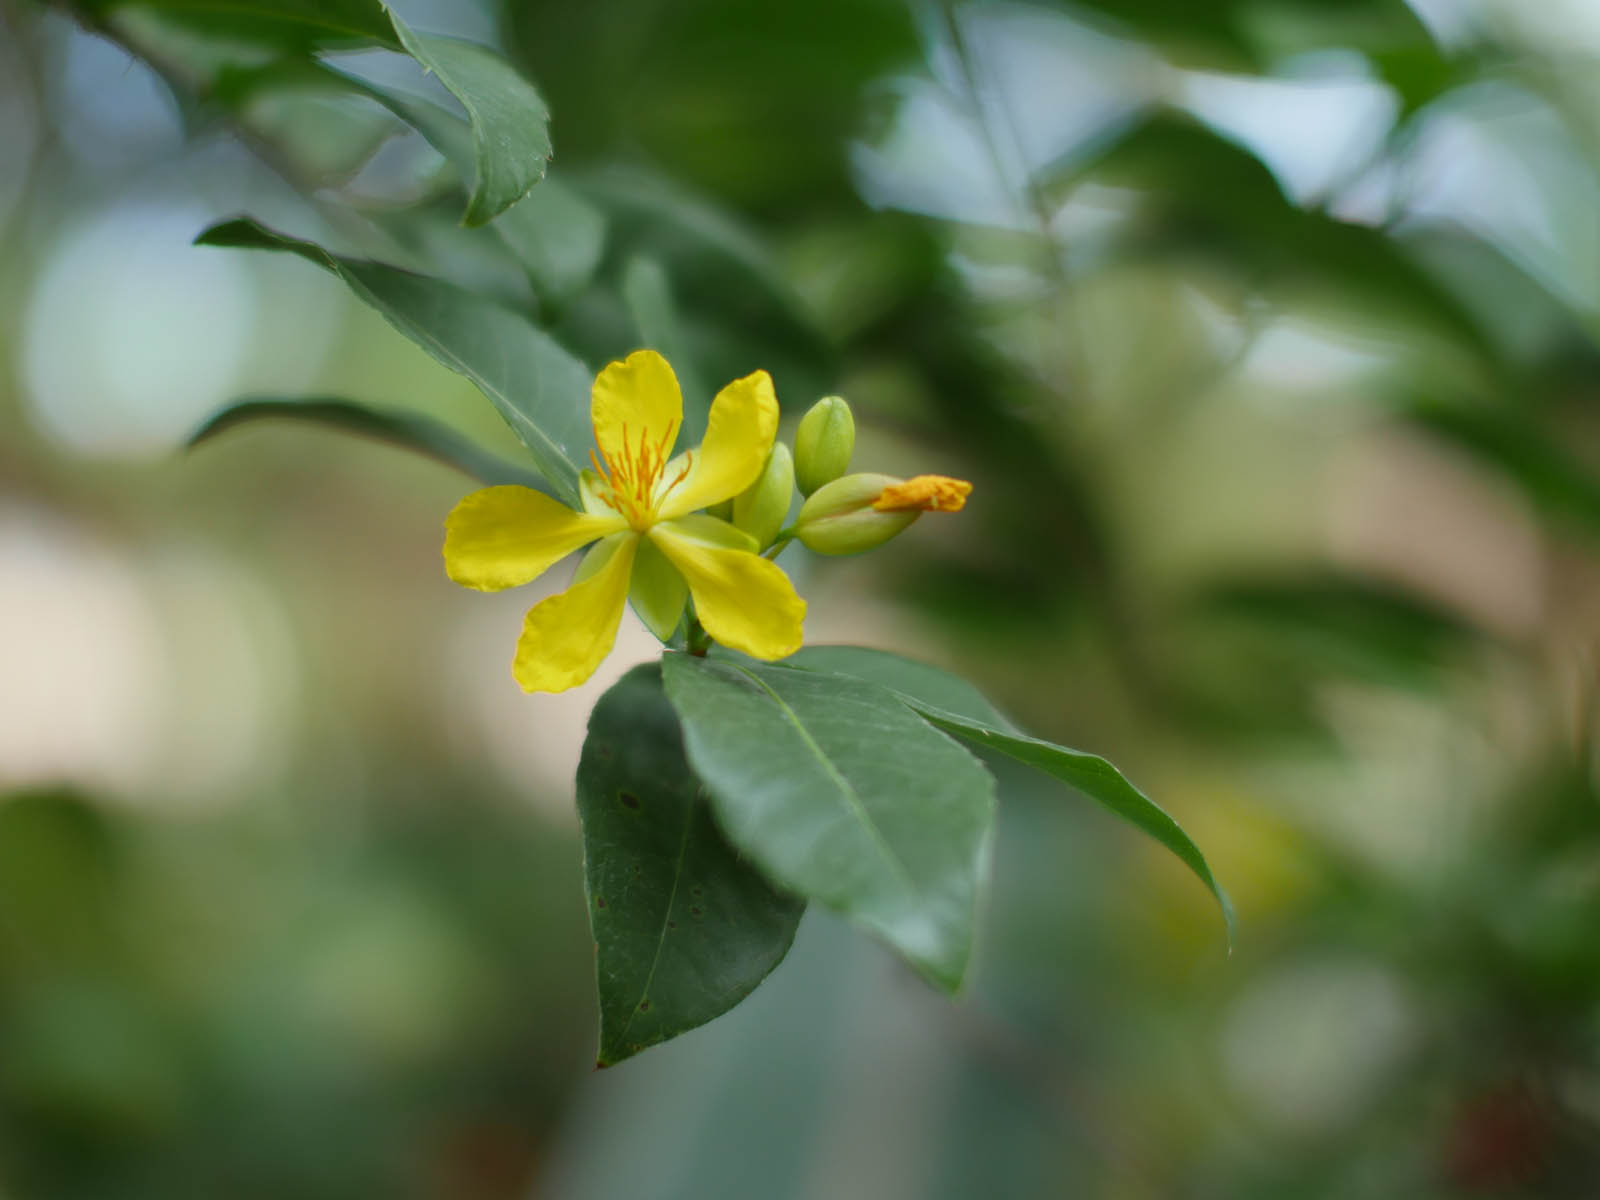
<point x="644" y="1006"/>
<point x="629" y="800"/>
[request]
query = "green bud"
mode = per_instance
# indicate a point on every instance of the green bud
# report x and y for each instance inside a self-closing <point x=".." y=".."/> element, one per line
<point x="760" y="509"/>
<point x="839" y="517"/>
<point x="823" y="444"/>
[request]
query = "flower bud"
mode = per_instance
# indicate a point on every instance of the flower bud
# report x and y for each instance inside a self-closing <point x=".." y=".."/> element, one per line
<point x="823" y="444"/>
<point x="839" y="518"/>
<point x="760" y="509"/>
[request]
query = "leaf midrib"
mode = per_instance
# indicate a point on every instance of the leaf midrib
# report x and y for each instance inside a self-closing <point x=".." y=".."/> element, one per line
<point x="666" y="919"/>
<point x="852" y="798"/>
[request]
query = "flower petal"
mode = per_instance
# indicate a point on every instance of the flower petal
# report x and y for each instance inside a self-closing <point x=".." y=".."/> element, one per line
<point x="636" y="403"/>
<point x="739" y="434"/>
<point x="500" y="537"/>
<point x="743" y="600"/>
<point x="565" y="637"/>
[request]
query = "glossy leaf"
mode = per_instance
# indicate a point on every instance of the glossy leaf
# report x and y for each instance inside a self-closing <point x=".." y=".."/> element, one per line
<point x="683" y="928"/>
<point x="843" y="795"/>
<point x="537" y="386"/>
<point x="911" y="678"/>
<point x="956" y="707"/>
<point x="510" y="123"/>
<point x="410" y="431"/>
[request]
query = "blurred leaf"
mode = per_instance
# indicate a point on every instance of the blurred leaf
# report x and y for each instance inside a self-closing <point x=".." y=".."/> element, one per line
<point x="410" y="431"/>
<point x="537" y="386"/>
<point x="285" y="24"/>
<point x="843" y="795"/>
<point x="955" y="706"/>
<point x="1209" y="195"/>
<point x="1333" y="621"/>
<point x="508" y="119"/>
<point x="1513" y="444"/>
<point x="683" y="928"/>
<point x="510" y="123"/>
<point x="648" y="294"/>
<point x="720" y="271"/>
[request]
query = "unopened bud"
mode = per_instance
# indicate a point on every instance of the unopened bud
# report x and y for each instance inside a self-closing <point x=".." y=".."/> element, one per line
<point x="839" y="518"/>
<point x="823" y="444"/>
<point x="760" y="509"/>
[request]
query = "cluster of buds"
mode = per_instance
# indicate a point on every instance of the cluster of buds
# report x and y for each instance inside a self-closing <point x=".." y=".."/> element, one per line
<point x="842" y="513"/>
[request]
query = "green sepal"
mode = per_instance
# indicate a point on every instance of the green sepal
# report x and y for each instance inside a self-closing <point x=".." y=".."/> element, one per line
<point x="658" y="592"/>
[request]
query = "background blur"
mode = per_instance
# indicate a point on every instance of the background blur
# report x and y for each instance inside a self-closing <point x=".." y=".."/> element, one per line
<point x="1266" y="330"/>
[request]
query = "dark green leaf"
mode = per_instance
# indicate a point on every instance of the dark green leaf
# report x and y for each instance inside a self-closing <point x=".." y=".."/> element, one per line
<point x="285" y="24"/>
<point x="1324" y="622"/>
<point x="410" y="431"/>
<point x="842" y="794"/>
<point x="1512" y="443"/>
<point x="1095" y="778"/>
<point x="536" y="385"/>
<point x="683" y="928"/>
<point x="957" y="707"/>
<point x="918" y="681"/>
<point x="510" y="123"/>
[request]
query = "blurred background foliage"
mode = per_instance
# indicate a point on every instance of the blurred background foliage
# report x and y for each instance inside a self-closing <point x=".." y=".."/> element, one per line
<point x="1266" y="330"/>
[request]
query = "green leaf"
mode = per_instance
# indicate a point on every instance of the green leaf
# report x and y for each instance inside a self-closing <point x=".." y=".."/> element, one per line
<point x="557" y="235"/>
<point x="958" y="708"/>
<point x="510" y="123"/>
<point x="298" y="24"/>
<point x="912" y="679"/>
<point x="536" y="385"/>
<point x="842" y="794"/>
<point x="410" y="431"/>
<point x="683" y="928"/>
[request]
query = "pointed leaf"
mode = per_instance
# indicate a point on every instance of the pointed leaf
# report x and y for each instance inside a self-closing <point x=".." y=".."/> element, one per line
<point x="538" y="387"/>
<point x="958" y="708"/>
<point x="842" y="794"/>
<point x="557" y="235"/>
<point x="911" y="678"/>
<point x="410" y="431"/>
<point x="510" y="123"/>
<point x="683" y="928"/>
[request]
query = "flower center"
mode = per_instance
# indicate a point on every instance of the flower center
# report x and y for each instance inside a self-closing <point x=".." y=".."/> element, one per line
<point x="629" y="476"/>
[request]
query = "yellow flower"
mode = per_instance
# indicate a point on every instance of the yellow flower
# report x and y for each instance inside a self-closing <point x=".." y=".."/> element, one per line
<point x="651" y="544"/>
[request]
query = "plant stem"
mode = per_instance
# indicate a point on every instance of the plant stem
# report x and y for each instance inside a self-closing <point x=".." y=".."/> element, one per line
<point x="699" y="641"/>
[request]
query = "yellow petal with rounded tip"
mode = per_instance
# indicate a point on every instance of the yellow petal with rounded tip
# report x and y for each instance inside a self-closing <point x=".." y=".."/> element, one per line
<point x="504" y="536"/>
<point x="743" y="600"/>
<point x="565" y="637"/>
<point x="739" y="435"/>
<point x="636" y="404"/>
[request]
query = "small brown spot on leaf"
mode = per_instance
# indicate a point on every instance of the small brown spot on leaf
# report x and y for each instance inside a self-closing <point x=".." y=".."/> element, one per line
<point x="599" y="901"/>
<point x="629" y="800"/>
<point x="644" y="1006"/>
<point x="695" y="911"/>
<point x="672" y="924"/>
